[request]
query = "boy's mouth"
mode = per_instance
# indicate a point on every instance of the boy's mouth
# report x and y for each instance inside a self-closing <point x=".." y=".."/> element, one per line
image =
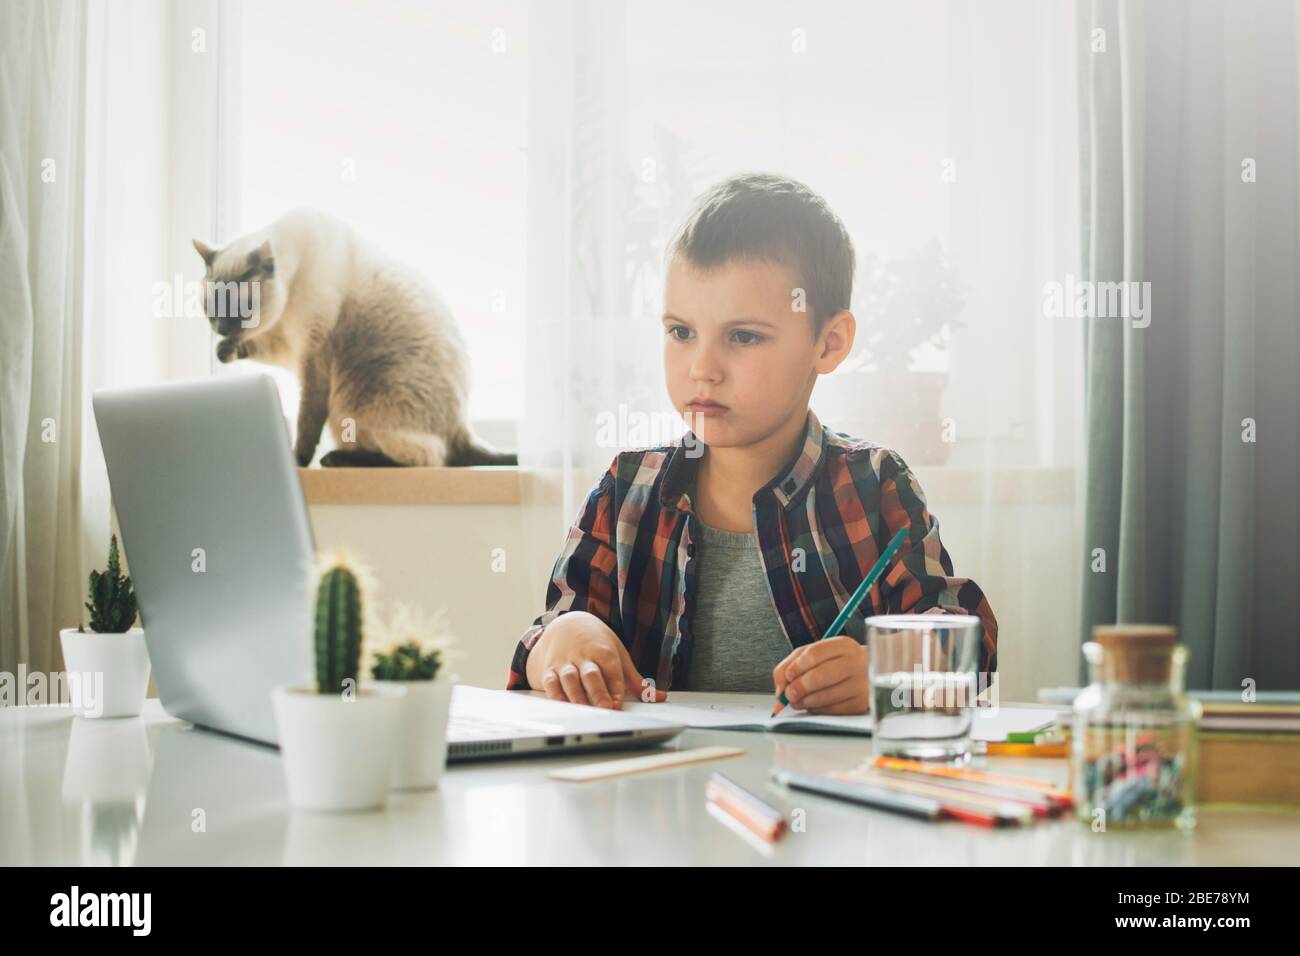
<point x="706" y="407"/>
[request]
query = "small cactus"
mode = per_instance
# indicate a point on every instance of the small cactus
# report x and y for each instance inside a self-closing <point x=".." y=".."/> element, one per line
<point x="338" y="628"/>
<point x="418" y="648"/>
<point x="407" y="662"/>
<point x="112" y="603"/>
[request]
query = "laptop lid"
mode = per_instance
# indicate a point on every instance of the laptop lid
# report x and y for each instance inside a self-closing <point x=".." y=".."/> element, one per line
<point x="215" y="528"/>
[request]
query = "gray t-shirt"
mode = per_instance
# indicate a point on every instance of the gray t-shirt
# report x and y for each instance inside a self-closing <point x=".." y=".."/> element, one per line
<point x="738" y="637"/>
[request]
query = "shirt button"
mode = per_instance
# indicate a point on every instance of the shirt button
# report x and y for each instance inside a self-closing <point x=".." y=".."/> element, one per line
<point x="690" y="550"/>
<point x="789" y="486"/>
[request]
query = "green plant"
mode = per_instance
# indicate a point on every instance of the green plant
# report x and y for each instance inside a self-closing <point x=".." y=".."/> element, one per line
<point x="418" y="647"/>
<point x="407" y="662"/>
<point x="338" y="626"/>
<point x="112" y="603"/>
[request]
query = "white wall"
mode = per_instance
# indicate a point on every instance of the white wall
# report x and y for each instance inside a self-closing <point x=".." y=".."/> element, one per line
<point x="441" y="556"/>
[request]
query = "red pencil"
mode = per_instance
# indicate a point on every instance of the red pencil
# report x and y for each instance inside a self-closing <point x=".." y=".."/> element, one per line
<point x="759" y="817"/>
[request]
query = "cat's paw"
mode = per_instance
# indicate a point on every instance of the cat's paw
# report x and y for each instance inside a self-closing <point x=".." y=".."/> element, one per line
<point x="228" y="350"/>
<point x="332" y="459"/>
<point x="304" y="456"/>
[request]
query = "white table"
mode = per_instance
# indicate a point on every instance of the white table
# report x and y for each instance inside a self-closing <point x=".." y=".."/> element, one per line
<point x="154" y="790"/>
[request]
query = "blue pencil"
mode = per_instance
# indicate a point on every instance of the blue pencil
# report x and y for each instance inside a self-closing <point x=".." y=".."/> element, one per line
<point x="876" y="571"/>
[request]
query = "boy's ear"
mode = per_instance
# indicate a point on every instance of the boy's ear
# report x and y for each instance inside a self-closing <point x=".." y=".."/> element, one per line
<point x="203" y="249"/>
<point x="837" y="340"/>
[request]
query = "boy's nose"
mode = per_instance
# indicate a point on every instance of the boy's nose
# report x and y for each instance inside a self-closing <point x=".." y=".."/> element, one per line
<point x="704" y="367"/>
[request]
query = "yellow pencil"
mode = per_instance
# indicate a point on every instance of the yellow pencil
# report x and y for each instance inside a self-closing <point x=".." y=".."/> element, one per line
<point x="919" y="766"/>
<point x="1027" y="750"/>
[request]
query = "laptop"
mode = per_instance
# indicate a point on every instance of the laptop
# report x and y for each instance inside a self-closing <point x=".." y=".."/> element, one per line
<point x="215" y="527"/>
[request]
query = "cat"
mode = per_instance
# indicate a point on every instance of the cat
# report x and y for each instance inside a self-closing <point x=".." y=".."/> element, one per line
<point x="378" y="354"/>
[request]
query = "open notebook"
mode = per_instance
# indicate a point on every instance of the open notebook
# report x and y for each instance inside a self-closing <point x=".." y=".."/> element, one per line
<point x="752" y="712"/>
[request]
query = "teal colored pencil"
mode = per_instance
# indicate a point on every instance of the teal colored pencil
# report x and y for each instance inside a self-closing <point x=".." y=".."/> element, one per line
<point x="876" y="571"/>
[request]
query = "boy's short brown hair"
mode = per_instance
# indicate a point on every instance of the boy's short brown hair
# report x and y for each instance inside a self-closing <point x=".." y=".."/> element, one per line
<point x="767" y="218"/>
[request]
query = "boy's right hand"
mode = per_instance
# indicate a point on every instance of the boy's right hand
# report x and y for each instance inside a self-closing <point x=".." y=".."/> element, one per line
<point x="579" y="659"/>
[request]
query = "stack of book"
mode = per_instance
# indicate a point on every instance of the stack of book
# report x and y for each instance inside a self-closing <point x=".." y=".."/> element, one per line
<point x="1249" y="752"/>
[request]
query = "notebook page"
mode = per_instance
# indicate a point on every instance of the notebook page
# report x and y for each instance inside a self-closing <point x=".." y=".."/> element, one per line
<point x="703" y="709"/>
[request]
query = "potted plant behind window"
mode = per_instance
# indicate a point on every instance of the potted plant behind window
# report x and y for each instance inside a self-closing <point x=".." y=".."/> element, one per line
<point x="108" y="665"/>
<point x="416" y="659"/>
<point x="889" y="389"/>
<point x="338" y="741"/>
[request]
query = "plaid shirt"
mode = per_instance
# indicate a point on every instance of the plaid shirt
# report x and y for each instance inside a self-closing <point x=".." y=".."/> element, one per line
<point x="630" y="556"/>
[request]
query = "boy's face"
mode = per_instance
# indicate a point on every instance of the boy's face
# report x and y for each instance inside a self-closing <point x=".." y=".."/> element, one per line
<point x="731" y="335"/>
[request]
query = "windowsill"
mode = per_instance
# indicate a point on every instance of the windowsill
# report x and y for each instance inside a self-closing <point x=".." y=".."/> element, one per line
<point x="501" y="485"/>
<point x="1014" y="485"/>
<point x="477" y="485"/>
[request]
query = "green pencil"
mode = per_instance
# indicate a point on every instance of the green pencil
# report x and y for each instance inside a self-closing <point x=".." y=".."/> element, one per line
<point x="876" y="571"/>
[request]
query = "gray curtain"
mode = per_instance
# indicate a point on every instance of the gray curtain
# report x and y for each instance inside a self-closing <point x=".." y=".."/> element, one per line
<point x="1189" y="169"/>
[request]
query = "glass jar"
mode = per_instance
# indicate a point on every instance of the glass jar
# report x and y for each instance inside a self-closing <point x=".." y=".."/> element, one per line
<point x="1133" y="745"/>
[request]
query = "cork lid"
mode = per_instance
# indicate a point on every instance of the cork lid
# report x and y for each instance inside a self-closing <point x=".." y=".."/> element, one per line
<point x="1137" y="653"/>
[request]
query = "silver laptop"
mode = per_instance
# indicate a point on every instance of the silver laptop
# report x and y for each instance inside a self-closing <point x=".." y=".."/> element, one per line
<point x="215" y="528"/>
<point x="501" y="723"/>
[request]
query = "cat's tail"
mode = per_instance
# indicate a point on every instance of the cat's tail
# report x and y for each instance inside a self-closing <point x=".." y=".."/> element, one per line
<point x="471" y="450"/>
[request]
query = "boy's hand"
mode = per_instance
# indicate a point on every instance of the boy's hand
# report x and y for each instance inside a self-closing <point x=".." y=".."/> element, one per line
<point x="579" y="659"/>
<point x="826" y="677"/>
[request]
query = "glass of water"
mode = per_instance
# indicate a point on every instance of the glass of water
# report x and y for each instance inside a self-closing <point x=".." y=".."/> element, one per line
<point x="923" y="670"/>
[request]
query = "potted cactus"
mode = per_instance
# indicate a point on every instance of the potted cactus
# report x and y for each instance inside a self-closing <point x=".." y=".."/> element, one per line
<point x="416" y="659"/>
<point x="338" y="741"/>
<point x="107" y="666"/>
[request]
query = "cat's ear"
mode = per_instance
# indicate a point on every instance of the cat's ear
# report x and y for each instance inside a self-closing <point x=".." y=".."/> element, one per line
<point x="263" y="259"/>
<point x="205" y="251"/>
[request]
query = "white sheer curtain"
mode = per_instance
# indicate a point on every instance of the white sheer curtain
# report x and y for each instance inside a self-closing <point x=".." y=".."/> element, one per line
<point x="944" y="134"/>
<point x="42" y="415"/>
<point x="89" y="188"/>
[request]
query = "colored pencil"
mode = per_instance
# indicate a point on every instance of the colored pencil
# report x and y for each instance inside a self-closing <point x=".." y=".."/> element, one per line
<point x="842" y="618"/>
<point x="1003" y="811"/>
<point x="1036" y="800"/>
<point x="972" y="809"/>
<point x="747" y="809"/>
<point x="1027" y="750"/>
<point x="924" y="807"/>
<point x="939" y="770"/>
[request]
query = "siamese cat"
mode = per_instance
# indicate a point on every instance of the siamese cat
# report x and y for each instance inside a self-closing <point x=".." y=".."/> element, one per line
<point x="377" y="352"/>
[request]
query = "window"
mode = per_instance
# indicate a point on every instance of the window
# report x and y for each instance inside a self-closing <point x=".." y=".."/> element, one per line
<point x="409" y="121"/>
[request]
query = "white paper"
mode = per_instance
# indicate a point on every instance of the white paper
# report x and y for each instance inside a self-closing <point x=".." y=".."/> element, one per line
<point x="753" y="712"/>
<point x="696" y="709"/>
<point x="993" y="724"/>
<point x="736" y="711"/>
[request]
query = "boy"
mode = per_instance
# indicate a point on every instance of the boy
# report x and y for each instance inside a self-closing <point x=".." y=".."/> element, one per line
<point x="717" y="563"/>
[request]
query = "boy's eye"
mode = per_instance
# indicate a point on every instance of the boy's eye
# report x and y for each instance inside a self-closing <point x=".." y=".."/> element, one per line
<point x="742" y="337"/>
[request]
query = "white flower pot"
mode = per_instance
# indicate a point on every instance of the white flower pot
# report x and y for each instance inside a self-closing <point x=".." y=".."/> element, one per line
<point x="338" y="753"/>
<point x="108" y="673"/>
<point x="422" y="734"/>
